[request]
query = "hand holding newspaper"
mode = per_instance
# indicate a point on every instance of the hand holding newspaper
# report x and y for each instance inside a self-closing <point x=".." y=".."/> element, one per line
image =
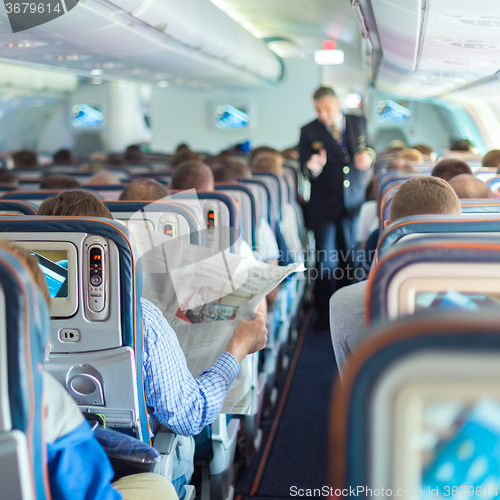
<point x="203" y="294"/>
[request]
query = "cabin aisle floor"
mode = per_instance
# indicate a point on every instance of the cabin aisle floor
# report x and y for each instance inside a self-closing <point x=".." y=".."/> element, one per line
<point x="298" y="454"/>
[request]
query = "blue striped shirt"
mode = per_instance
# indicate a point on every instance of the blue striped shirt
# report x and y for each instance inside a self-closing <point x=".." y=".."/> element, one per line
<point x="174" y="397"/>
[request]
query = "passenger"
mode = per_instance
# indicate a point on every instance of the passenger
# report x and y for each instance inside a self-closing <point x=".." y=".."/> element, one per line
<point x="290" y="154"/>
<point x="400" y="165"/>
<point x="412" y="155"/>
<point x="182" y="147"/>
<point x="396" y="145"/>
<point x="239" y="168"/>
<point x="448" y="168"/>
<point x="224" y="173"/>
<point x="271" y="163"/>
<point x="115" y="161"/>
<point x="467" y="186"/>
<point x="25" y="160"/>
<point x="491" y="159"/>
<point x="262" y="149"/>
<point x="144" y="189"/>
<point x="426" y="151"/>
<point x="134" y="155"/>
<point x="59" y="181"/>
<point x="78" y="468"/>
<point x="183" y="156"/>
<point x="423" y="195"/>
<point x="104" y="178"/>
<point x="64" y="157"/>
<point x="193" y="175"/>
<point x="7" y="177"/>
<point x="462" y="145"/>
<point x="174" y="397"/>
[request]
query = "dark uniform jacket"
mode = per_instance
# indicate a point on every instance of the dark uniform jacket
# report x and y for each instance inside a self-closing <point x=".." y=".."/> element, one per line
<point x="339" y="191"/>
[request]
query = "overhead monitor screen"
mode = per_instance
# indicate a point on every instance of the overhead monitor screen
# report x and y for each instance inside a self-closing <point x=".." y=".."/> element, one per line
<point x="85" y="116"/>
<point x="390" y="111"/>
<point x="54" y="266"/>
<point x="231" y="117"/>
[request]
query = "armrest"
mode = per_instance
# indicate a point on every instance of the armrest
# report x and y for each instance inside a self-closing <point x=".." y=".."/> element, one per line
<point x="127" y="455"/>
<point x="165" y="441"/>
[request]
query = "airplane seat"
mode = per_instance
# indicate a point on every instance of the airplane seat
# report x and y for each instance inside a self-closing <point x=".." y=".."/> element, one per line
<point x="247" y="209"/>
<point x="24" y="326"/>
<point x="172" y="218"/>
<point x="471" y="206"/>
<point x="96" y="327"/>
<point x="494" y="183"/>
<point x="36" y="196"/>
<point x="406" y="227"/>
<point x="418" y="409"/>
<point x="164" y="177"/>
<point x="17" y="207"/>
<point x="432" y="272"/>
<point x="109" y="192"/>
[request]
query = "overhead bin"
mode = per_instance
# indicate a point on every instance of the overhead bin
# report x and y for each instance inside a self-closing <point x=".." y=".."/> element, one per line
<point x="426" y="48"/>
<point x="201" y="26"/>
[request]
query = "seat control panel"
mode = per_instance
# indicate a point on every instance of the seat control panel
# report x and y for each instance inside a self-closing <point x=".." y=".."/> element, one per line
<point x="96" y="278"/>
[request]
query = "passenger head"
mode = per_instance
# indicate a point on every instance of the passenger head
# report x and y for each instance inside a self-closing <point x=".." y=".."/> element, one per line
<point x="290" y="154"/>
<point x="74" y="204"/>
<point x="7" y="177"/>
<point x="397" y="145"/>
<point x="262" y="149"/>
<point x="467" y="186"/>
<point x="183" y="156"/>
<point x="400" y="165"/>
<point x="461" y="145"/>
<point x="193" y="175"/>
<point x="182" y="147"/>
<point x="239" y="168"/>
<point x="144" y="189"/>
<point x="450" y="167"/>
<point x="104" y="178"/>
<point x="412" y="155"/>
<point x="268" y="163"/>
<point x="491" y="158"/>
<point x="327" y="105"/>
<point x="25" y="160"/>
<point x="223" y="173"/>
<point x="115" y="160"/>
<point x="32" y="263"/>
<point x="133" y="154"/>
<point x="424" y="195"/>
<point x="59" y="181"/>
<point x="425" y="150"/>
<point x="64" y="157"/>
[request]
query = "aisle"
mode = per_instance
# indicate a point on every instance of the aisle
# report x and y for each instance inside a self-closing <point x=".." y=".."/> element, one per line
<point x="298" y="454"/>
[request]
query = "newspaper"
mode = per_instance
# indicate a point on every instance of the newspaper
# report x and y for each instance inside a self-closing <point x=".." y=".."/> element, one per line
<point x="203" y="294"/>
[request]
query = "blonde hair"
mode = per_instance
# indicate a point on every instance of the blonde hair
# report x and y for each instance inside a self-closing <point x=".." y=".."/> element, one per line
<point x="424" y="195"/>
<point x="412" y="155"/>
<point x="270" y="163"/>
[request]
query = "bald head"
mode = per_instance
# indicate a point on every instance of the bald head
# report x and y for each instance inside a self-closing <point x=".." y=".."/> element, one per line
<point x="193" y="175"/>
<point x="144" y="189"/>
<point x="450" y="167"/>
<point x="468" y="186"/>
<point x="424" y="195"/>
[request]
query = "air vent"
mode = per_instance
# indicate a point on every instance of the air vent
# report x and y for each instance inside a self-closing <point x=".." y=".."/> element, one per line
<point x="481" y="23"/>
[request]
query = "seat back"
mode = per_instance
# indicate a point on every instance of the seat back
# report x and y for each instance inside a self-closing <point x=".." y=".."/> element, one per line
<point x="420" y="224"/>
<point x="486" y="174"/>
<point x="37" y="196"/>
<point x="276" y="189"/>
<point x="162" y="177"/>
<point x="24" y="326"/>
<point x="418" y="409"/>
<point x="434" y="272"/>
<point x="494" y="183"/>
<point x="171" y="218"/>
<point x="17" y="207"/>
<point x="471" y="206"/>
<point x="96" y="328"/>
<point x="109" y="192"/>
<point x="220" y="214"/>
<point x="263" y="196"/>
<point x="247" y="209"/>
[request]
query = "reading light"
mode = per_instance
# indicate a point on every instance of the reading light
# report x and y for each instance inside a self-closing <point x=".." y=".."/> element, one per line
<point x="325" y="57"/>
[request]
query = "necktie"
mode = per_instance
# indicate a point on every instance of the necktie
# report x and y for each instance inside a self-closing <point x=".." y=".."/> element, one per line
<point x="336" y="134"/>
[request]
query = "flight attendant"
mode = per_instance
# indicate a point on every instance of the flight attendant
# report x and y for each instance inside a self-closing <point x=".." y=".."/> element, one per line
<point x="334" y="156"/>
